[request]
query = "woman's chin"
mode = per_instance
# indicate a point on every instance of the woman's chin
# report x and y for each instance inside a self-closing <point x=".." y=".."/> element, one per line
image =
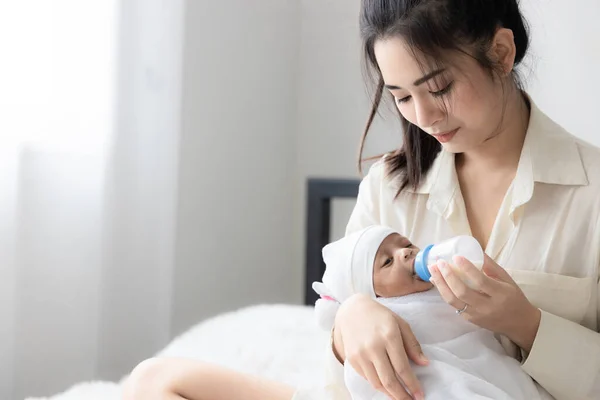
<point x="454" y="148"/>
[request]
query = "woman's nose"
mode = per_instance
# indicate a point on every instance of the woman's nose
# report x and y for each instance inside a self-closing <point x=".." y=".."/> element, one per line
<point x="428" y="113"/>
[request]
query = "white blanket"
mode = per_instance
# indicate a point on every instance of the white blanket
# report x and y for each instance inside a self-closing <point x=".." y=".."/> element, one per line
<point x="466" y="362"/>
<point x="278" y="342"/>
<point x="274" y="341"/>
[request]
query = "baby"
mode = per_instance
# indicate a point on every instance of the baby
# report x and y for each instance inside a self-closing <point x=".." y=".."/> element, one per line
<point x="466" y="361"/>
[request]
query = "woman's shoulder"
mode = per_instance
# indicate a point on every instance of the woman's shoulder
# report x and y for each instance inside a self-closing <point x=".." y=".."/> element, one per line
<point x="588" y="157"/>
<point x="381" y="178"/>
<point x="562" y="156"/>
<point x="386" y="176"/>
<point x="376" y="172"/>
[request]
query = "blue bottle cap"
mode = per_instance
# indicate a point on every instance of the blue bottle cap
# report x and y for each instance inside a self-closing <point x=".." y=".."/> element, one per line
<point x="421" y="264"/>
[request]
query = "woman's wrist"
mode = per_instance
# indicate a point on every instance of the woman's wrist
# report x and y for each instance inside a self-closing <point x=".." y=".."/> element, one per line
<point x="337" y="345"/>
<point x="337" y="342"/>
<point x="526" y="330"/>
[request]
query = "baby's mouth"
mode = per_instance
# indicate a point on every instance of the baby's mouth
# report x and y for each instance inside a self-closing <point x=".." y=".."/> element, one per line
<point x="412" y="267"/>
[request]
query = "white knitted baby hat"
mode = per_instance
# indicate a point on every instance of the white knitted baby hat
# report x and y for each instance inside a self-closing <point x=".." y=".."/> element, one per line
<point x="348" y="270"/>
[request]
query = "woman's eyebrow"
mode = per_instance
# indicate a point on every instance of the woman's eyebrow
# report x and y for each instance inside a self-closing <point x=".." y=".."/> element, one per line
<point x="419" y="81"/>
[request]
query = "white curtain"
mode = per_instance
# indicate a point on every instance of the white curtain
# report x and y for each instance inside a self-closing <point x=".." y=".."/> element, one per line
<point x="89" y="124"/>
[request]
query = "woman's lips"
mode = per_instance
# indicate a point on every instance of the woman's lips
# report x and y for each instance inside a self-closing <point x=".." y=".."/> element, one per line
<point x="445" y="137"/>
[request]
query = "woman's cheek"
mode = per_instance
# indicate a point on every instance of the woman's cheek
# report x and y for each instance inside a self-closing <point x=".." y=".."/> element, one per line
<point x="407" y="112"/>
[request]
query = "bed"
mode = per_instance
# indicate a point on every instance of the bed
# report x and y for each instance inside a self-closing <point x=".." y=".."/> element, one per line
<point x="280" y="339"/>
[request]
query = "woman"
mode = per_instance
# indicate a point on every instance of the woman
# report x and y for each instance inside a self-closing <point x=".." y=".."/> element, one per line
<point x="478" y="158"/>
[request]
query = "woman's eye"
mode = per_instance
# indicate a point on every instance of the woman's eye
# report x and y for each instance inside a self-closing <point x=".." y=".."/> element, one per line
<point x="403" y="100"/>
<point x="443" y="91"/>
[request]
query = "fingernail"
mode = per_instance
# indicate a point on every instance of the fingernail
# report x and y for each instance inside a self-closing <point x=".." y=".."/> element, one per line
<point x="424" y="359"/>
<point x="433" y="270"/>
<point x="419" y="396"/>
<point x="443" y="266"/>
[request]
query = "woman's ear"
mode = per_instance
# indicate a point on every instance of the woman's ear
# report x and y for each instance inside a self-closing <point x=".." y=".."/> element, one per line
<point x="503" y="50"/>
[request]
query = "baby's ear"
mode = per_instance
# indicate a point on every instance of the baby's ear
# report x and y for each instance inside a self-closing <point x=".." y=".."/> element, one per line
<point x="321" y="289"/>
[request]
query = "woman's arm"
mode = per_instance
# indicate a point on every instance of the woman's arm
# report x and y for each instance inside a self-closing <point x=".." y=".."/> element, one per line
<point x="184" y="379"/>
<point x="378" y="344"/>
<point x="564" y="357"/>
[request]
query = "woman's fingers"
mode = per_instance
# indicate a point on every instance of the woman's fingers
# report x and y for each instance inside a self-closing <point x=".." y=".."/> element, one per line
<point x="452" y="289"/>
<point x="378" y="374"/>
<point x="402" y="369"/>
<point x="389" y="380"/>
<point x="370" y="374"/>
<point x="412" y="347"/>
<point x="363" y="364"/>
<point x="492" y="269"/>
<point x="380" y="350"/>
<point x="488" y="279"/>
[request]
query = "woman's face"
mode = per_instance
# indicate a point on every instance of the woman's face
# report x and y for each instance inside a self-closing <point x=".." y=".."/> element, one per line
<point x="394" y="268"/>
<point x="460" y="105"/>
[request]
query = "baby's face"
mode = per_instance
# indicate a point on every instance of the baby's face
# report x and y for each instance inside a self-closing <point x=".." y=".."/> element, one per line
<point x="394" y="268"/>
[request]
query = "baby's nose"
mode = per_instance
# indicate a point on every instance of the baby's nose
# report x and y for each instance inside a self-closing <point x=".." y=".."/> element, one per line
<point x="404" y="253"/>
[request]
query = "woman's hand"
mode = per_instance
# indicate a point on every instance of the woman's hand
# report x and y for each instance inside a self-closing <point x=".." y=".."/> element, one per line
<point x="497" y="303"/>
<point x="378" y="344"/>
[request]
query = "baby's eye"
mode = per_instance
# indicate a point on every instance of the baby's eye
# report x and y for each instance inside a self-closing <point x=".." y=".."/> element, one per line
<point x="388" y="262"/>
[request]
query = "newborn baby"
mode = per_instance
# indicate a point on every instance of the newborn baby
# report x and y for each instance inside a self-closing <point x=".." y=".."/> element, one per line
<point x="466" y="361"/>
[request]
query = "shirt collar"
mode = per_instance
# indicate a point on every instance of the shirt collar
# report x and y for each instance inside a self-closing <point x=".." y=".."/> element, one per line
<point x="552" y="152"/>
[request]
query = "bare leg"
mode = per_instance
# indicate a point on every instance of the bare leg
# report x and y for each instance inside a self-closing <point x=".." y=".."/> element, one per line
<point x="178" y="379"/>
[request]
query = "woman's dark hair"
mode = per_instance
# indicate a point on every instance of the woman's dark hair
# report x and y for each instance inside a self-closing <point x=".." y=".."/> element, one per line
<point x="433" y="29"/>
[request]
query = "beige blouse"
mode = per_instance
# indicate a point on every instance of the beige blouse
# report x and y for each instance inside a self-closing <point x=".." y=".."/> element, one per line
<point x="546" y="235"/>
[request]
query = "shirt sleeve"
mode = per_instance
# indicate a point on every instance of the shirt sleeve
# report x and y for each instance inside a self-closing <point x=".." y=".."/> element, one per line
<point x="366" y="211"/>
<point x="565" y="358"/>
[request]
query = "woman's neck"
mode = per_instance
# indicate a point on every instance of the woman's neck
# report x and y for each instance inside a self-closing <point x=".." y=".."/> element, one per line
<point x="503" y="150"/>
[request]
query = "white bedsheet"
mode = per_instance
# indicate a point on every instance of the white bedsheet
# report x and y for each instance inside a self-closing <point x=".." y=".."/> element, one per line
<point x="274" y="341"/>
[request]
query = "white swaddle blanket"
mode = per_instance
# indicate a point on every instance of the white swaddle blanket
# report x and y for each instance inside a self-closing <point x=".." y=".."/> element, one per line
<point x="465" y="361"/>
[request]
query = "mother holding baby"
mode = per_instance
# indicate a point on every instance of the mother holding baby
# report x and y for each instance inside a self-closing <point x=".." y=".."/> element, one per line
<point x="478" y="158"/>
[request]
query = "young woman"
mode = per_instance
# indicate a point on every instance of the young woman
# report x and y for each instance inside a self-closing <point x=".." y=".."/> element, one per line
<point x="478" y="158"/>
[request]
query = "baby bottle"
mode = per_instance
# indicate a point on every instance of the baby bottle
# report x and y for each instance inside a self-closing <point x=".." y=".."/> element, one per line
<point x="465" y="246"/>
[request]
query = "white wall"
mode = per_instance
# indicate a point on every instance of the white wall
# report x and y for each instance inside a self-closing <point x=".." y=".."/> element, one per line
<point x="141" y="188"/>
<point x="52" y="144"/>
<point x="91" y="249"/>
<point x="565" y="61"/>
<point x="236" y="158"/>
<point x="273" y="94"/>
